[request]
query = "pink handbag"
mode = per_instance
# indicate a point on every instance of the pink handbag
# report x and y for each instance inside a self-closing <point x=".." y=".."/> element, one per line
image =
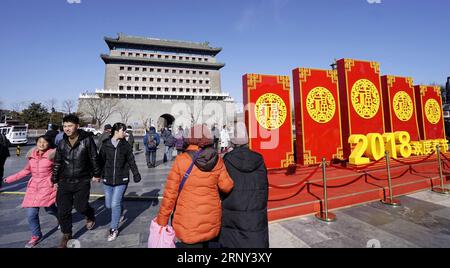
<point x="161" y="237"/>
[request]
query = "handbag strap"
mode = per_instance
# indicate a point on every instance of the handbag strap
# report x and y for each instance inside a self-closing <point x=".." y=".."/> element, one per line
<point x="183" y="181"/>
<point x="188" y="172"/>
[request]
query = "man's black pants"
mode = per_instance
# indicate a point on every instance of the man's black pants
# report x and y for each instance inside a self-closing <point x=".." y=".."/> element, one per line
<point x="2" y="169"/>
<point x="71" y="195"/>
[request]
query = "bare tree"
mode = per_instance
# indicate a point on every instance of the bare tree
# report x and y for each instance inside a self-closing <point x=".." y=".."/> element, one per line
<point x="19" y="106"/>
<point x="68" y="106"/>
<point x="100" y="109"/>
<point x="144" y="120"/>
<point x="51" y="104"/>
<point x="125" y="113"/>
<point x="195" y="116"/>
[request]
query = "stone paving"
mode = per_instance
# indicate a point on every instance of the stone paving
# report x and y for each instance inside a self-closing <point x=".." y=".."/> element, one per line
<point x="423" y="220"/>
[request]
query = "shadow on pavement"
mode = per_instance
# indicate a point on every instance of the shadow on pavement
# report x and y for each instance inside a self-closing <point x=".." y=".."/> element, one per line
<point x="132" y="214"/>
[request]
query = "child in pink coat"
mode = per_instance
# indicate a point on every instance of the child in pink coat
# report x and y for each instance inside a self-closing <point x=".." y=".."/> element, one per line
<point x="40" y="190"/>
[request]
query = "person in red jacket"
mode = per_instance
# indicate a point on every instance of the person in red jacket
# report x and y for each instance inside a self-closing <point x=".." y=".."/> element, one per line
<point x="41" y="192"/>
<point x="198" y="211"/>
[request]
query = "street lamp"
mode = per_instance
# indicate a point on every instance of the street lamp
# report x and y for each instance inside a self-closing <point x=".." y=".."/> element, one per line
<point x="333" y="65"/>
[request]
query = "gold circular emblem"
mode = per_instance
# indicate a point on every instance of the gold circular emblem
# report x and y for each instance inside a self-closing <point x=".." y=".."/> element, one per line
<point x="433" y="111"/>
<point x="270" y="111"/>
<point x="320" y="105"/>
<point x="365" y="98"/>
<point x="403" y="106"/>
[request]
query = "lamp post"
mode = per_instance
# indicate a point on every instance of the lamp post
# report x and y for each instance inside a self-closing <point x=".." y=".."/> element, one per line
<point x="333" y="65"/>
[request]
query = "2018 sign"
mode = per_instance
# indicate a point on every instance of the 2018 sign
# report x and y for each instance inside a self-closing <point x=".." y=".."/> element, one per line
<point x="398" y="144"/>
<point x="354" y="103"/>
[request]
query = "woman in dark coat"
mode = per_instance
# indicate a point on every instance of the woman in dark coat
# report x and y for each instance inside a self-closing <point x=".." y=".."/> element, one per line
<point x="244" y="210"/>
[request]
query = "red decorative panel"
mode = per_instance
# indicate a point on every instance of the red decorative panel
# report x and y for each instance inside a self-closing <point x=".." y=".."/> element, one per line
<point x="268" y="118"/>
<point x="317" y="115"/>
<point x="429" y="112"/>
<point x="400" y="105"/>
<point x="361" y="98"/>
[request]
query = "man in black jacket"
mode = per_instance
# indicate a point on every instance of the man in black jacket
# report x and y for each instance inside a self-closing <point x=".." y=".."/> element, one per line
<point x="244" y="210"/>
<point x="4" y="153"/>
<point x="75" y="164"/>
<point x="105" y="136"/>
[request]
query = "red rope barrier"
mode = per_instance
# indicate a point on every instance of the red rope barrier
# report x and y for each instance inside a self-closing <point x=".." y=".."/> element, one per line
<point x="445" y="157"/>
<point x="367" y="166"/>
<point x="446" y="165"/>
<point x="340" y="167"/>
<point x="338" y="186"/>
<point x="289" y="197"/>
<point x="413" y="163"/>
<point x="392" y="178"/>
<point x="297" y="184"/>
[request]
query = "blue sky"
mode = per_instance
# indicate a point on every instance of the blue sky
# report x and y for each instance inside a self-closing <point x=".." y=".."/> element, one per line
<point x="50" y="48"/>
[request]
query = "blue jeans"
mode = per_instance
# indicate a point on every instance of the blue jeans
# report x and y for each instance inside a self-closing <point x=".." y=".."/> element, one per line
<point x="151" y="158"/>
<point x="33" y="218"/>
<point x="113" y="201"/>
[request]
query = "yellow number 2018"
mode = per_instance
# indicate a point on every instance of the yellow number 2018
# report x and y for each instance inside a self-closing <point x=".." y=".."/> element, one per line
<point x="402" y="138"/>
<point x="389" y="139"/>
<point x="375" y="149"/>
<point x="374" y="145"/>
<point x="356" y="158"/>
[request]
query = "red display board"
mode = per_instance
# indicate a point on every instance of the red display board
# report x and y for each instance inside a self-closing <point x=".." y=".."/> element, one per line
<point x="400" y="105"/>
<point x="268" y="118"/>
<point x="429" y="112"/>
<point x="317" y="115"/>
<point x="361" y="98"/>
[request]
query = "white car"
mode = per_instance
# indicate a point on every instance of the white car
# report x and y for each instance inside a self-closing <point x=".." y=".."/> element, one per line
<point x="93" y="130"/>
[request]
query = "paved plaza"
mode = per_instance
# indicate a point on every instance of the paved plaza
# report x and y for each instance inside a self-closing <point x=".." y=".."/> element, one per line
<point x="423" y="220"/>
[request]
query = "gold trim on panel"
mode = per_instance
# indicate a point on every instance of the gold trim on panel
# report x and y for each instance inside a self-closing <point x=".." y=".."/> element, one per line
<point x="409" y="80"/>
<point x="423" y="90"/>
<point x="437" y="89"/>
<point x="333" y="75"/>
<point x="303" y="74"/>
<point x="375" y="66"/>
<point x="390" y="80"/>
<point x="253" y="80"/>
<point x="349" y="63"/>
<point x="284" y="80"/>
<point x="288" y="161"/>
<point x="308" y="159"/>
<point x="339" y="154"/>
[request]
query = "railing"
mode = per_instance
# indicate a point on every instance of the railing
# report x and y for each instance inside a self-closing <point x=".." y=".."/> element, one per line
<point x="36" y="132"/>
<point x="157" y="93"/>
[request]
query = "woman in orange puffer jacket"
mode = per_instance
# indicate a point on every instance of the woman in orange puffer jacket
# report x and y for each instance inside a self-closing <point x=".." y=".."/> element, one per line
<point x="198" y="212"/>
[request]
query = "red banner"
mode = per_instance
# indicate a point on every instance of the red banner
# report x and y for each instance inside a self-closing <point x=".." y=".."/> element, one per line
<point x="268" y="118"/>
<point x="317" y="115"/>
<point x="400" y="105"/>
<point x="429" y="112"/>
<point x="361" y="98"/>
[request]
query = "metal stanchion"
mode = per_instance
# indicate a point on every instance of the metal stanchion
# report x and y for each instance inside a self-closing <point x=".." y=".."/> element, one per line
<point x="18" y="150"/>
<point x="390" y="201"/>
<point x="442" y="189"/>
<point x="325" y="215"/>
